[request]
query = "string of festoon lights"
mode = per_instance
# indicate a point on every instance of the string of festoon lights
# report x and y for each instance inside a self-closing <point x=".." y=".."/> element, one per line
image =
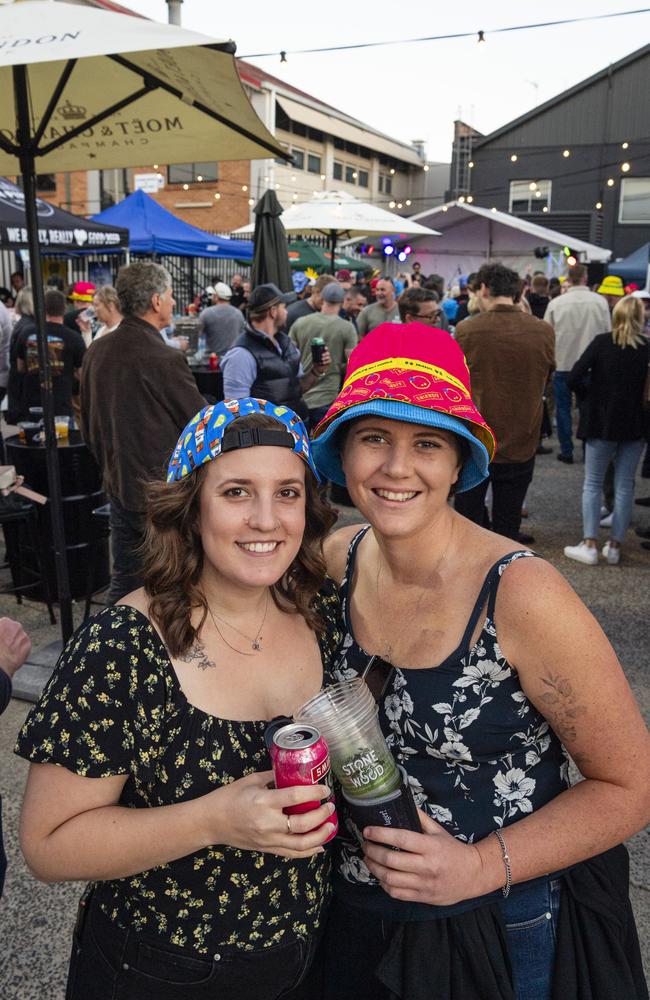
<point x="610" y="172"/>
<point x="479" y="35"/>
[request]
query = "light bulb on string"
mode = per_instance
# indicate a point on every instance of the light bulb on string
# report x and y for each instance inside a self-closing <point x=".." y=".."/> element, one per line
<point x="625" y="145"/>
<point x="532" y="186"/>
<point x="625" y="167"/>
<point x="470" y="198"/>
<point x="408" y="201"/>
<point x="391" y="204"/>
<point x="186" y="187"/>
<point x="599" y="205"/>
<point x="514" y="158"/>
<point x="392" y="170"/>
<point x="538" y="194"/>
<point x="426" y="168"/>
<point x="470" y="164"/>
<point x="251" y="202"/>
<point x="493" y="209"/>
<point x="610" y="182"/>
<point x="244" y="187"/>
<point x="217" y="196"/>
<point x="199" y="177"/>
<point x="399" y="204"/>
<point x="545" y="209"/>
<point x="566" y="153"/>
<point x="461" y="200"/>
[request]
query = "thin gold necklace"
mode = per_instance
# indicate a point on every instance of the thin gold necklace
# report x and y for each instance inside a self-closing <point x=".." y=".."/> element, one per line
<point x="256" y="641"/>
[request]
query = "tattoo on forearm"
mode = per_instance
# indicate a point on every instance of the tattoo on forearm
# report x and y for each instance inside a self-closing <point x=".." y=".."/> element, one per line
<point x="197" y="655"/>
<point x="560" y="706"/>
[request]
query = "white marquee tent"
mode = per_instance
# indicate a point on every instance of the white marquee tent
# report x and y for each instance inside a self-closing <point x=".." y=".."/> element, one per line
<point x="471" y="235"/>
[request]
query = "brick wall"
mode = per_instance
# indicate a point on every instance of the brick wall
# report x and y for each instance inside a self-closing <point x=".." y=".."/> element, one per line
<point x="198" y="205"/>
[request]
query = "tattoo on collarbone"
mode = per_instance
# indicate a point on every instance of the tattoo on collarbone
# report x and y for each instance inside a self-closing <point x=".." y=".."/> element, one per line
<point x="197" y="655"/>
<point x="560" y="706"/>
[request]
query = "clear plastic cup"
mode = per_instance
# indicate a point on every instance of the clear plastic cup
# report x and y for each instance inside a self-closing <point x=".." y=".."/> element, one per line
<point x="62" y="426"/>
<point x="347" y="716"/>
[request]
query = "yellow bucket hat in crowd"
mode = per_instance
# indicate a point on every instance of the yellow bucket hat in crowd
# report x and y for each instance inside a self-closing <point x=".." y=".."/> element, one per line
<point x="611" y="285"/>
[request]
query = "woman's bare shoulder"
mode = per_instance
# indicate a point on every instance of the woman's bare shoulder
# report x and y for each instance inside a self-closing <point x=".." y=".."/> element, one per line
<point x="138" y="599"/>
<point x="335" y="550"/>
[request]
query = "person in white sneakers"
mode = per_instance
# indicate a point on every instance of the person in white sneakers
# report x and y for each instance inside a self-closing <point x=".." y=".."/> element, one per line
<point x="617" y="364"/>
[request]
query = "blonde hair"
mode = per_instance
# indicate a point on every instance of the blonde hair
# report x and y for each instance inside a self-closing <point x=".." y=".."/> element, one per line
<point x="628" y="320"/>
<point x="107" y="295"/>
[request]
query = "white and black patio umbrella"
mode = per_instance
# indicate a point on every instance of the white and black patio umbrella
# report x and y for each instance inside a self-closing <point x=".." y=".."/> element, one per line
<point x="86" y="89"/>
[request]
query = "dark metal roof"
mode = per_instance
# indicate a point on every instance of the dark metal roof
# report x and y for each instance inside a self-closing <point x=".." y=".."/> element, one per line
<point x="602" y="74"/>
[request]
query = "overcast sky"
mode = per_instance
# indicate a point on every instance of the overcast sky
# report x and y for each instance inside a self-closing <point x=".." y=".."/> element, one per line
<point x="415" y="91"/>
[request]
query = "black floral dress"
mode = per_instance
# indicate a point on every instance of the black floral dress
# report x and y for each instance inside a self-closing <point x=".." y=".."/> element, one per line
<point x="114" y="706"/>
<point x="478" y="754"/>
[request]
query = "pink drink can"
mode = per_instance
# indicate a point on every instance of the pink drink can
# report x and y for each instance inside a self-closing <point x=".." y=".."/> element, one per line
<point x="300" y="756"/>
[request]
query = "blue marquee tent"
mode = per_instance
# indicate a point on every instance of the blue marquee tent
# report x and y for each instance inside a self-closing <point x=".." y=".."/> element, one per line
<point x="634" y="267"/>
<point x="155" y="230"/>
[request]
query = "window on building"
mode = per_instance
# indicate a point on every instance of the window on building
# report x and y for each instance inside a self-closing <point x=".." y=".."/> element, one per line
<point x="388" y="185"/>
<point x="298" y="128"/>
<point x="529" y="196"/>
<point x="349" y="175"/>
<point x="298" y="159"/>
<point x="338" y="143"/>
<point x="634" y="205"/>
<point x="363" y="178"/>
<point x="313" y="163"/>
<point x="337" y="171"/>
<point x="380" y="183"/>
<point x="191" y="173"/>
<point x="46" y="182"/>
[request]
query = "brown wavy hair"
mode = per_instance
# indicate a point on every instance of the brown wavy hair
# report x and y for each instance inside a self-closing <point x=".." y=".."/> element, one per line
<point x="173" y="553"/>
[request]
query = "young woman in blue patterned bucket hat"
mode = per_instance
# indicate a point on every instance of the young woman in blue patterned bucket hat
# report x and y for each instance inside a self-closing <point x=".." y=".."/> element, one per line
<point x="156" y="715"/>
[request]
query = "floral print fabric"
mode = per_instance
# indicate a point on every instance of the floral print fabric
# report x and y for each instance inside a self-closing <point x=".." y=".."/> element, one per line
<point x="114" y="706"/>
<point x="478" y="754"/>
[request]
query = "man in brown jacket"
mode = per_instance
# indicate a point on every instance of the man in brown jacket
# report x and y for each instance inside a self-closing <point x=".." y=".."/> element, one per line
<point x="137" y="394"/>
<point x="510" y="356"/>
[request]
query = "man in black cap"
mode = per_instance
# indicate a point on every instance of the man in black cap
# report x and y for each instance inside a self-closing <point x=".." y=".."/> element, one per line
<point x="263" y="362"/>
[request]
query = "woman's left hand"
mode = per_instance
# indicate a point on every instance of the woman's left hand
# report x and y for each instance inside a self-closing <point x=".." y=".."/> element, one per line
<point x="429" y="867"/>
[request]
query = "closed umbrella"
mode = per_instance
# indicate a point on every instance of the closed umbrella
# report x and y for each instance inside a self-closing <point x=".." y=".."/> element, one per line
<point x="271" y="260"/>
<point x="85" y="89"/>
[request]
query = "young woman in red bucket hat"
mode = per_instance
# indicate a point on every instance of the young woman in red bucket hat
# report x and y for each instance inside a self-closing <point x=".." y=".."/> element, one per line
<point x="493" y="672"/>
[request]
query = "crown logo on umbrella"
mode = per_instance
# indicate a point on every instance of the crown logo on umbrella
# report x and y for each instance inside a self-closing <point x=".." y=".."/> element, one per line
<point x="72" y="112"/>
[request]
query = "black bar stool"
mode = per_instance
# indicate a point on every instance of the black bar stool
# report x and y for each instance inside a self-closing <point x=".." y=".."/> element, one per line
<point x="101" y="530"/>
<point x="19" y="522"/>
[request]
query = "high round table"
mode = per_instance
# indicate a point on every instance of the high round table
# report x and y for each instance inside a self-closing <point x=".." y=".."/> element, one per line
<point x="81" y="489"/>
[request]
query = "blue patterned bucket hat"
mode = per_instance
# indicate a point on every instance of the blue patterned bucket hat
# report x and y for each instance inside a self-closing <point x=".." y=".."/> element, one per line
<point x="202" y="439"/>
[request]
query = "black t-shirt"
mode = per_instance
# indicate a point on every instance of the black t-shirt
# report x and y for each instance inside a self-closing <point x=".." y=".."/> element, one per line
<point x="66" y="350"/>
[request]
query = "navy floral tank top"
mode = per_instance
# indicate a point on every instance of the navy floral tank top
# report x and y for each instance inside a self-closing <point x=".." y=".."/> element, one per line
<point x="478" y="754"/>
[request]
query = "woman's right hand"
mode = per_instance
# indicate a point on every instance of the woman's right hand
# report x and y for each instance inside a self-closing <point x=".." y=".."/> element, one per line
<point x="247" y="813"/>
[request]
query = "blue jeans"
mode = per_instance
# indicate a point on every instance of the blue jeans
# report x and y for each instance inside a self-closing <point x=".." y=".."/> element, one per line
<point x="531" y="918"/>
<point x="562" y="395"/>
<point x="598" y="454"/>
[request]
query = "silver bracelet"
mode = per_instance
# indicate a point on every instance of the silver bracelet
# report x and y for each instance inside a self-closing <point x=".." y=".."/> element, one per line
<point x="506" y="862"/>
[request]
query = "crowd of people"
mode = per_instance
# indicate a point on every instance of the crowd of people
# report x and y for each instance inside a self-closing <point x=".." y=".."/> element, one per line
<point x="426" y="405"/>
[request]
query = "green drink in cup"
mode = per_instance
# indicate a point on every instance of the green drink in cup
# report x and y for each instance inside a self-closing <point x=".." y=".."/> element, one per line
<point x="347" y="716"/>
